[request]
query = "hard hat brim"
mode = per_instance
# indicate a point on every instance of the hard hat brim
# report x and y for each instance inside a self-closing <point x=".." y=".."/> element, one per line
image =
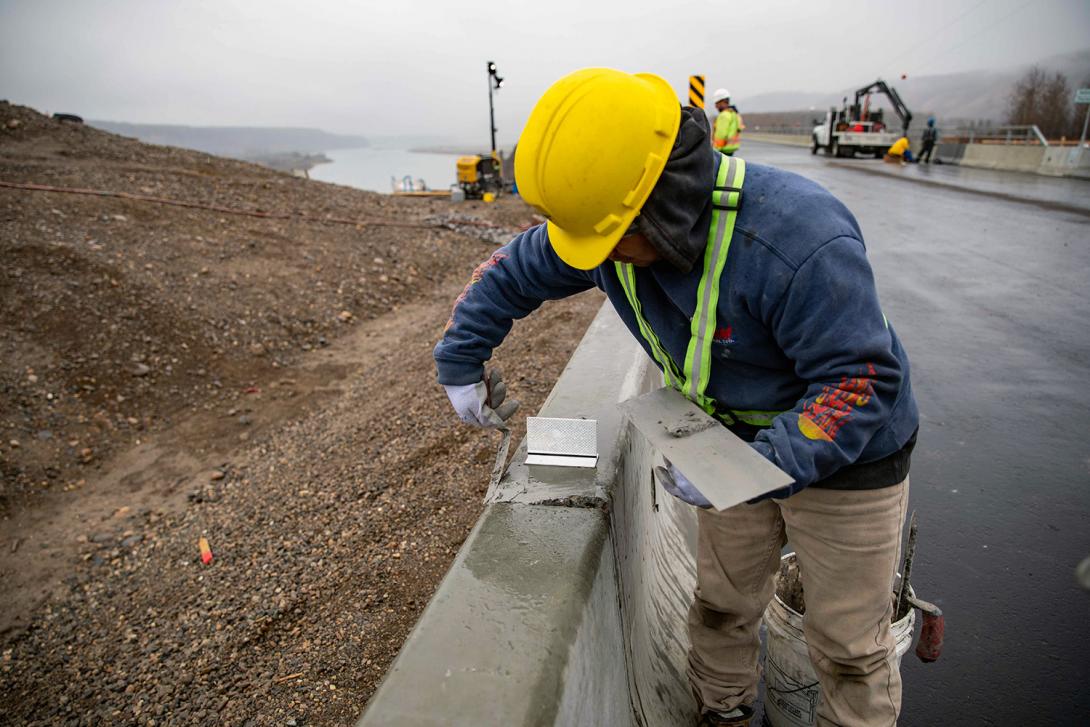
<point x="585" y="252"/>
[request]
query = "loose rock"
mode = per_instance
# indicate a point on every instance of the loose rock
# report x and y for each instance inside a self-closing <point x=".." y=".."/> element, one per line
<point x="357" y="458"/>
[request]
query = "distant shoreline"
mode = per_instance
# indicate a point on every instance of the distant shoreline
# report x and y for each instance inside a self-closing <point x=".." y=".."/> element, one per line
<point x="290" y="161"/>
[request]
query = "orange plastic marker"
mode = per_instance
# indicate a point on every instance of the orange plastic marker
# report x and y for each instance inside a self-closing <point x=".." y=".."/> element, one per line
<point x="206" y="552"/>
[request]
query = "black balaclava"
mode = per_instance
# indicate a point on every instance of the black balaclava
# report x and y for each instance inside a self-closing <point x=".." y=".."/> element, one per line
<point x="676" y="216"/>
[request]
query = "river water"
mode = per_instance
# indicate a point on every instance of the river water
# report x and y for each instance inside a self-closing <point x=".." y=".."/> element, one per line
<point x="373" y="169"/>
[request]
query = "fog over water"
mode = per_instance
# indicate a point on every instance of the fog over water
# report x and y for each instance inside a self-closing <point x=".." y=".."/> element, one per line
<point x="372" y="169"/>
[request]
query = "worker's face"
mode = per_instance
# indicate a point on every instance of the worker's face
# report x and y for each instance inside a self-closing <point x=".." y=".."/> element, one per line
<point x="722" y="105"/>
<point x="634" y="249"/>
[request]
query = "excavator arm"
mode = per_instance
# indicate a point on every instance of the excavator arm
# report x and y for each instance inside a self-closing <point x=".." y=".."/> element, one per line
<point x="898" y="105"/>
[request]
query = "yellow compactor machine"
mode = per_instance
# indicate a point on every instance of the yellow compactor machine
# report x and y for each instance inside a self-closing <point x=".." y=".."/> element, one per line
<point x="479" y="175"/>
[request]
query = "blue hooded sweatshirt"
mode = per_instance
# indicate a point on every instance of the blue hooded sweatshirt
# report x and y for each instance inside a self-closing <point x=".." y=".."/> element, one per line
<point x="799" y="326"/>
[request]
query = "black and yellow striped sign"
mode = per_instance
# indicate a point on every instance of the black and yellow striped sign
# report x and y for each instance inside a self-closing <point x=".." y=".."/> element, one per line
<point x="696" y="91"/>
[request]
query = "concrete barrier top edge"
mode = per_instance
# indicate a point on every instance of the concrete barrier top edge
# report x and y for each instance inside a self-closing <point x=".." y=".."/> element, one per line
<point x="607" y="367"/>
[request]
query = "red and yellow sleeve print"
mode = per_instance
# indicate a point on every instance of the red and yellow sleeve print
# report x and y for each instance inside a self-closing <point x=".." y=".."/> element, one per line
<point x="823" y="417"/>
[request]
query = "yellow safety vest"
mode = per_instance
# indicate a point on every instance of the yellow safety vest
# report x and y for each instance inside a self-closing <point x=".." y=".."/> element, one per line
<point x="728" y="131"/>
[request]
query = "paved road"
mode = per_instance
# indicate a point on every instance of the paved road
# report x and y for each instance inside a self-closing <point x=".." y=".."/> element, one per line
<point x="992" y="301"/>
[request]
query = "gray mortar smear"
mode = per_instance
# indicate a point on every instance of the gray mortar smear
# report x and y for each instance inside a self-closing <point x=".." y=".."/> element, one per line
<point x="578" y="501"/>
<point x="689" y="424"/>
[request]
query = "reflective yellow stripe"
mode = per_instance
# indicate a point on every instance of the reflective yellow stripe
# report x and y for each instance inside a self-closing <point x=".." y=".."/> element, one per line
<point x="693" y="382"/>
<point x="627" y="273"/>
<point x="725" y="200"/>
<point x="702" y="328"/>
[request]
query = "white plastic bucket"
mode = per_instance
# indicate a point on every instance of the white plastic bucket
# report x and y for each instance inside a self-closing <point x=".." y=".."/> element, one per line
<point x="792" y="692"/>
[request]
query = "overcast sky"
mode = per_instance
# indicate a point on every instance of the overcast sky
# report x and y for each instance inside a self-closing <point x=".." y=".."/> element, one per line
<point x="418" y="67"/>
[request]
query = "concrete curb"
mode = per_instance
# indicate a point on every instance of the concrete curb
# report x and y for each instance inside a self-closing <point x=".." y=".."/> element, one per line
<point x="1046" y="161"/>
<point x="530" y="599"/>
<point x="893" y="172"/>
<point x="529" y="626"/>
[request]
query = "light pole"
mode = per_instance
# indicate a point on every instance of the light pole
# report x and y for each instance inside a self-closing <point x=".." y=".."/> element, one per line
<point x="494" y="81"/>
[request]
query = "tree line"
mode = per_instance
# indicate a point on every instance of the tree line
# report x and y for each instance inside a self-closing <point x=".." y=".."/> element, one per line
<point x="1047" y="100"/>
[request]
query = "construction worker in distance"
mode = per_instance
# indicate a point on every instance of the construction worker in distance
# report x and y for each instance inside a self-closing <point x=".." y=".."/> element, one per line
<point x="928" y="139"/>
<point x="786" y="345"/>
<point x="899" y="152"/>
<point x="728" y="123"/>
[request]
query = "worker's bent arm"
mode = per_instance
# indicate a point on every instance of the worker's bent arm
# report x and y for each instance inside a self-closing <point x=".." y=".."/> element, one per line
<point x="511" y="284"/>
<point x="829" y="322"/>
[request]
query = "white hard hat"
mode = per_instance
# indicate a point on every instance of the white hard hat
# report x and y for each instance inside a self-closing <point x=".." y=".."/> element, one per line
<point x="721" y="94"/>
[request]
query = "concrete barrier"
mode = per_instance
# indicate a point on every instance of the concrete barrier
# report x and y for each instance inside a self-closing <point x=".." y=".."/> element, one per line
<point x="655" y="538"/>
<point x="1053" y="161"/>
<point x="1002" y="156"/>
<point x="567" y="603"/>
<point x="949" y="152"/>
<point x="1066" y="161"/>
<point x="1050" y="161"/>
<point x="524" y="629"/>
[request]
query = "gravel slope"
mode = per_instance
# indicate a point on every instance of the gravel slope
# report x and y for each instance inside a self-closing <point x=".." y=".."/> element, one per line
<point x="170" y="373"/>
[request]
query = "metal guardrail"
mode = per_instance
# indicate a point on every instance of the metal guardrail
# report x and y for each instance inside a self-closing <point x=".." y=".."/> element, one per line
<point x="1029" y="135"/>
<point x="779" y="129"/>
<point x="1006" y="135"/>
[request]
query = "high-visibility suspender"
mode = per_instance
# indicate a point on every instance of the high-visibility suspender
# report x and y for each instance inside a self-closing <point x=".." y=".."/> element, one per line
<point x="692" y="381"/>
<point x="627" y="273"/>
<point x="726" y="195"/>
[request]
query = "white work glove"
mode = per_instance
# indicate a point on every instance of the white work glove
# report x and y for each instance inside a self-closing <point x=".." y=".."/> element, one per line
<point x="679" y="486"/>
<point x="482" y="403"/>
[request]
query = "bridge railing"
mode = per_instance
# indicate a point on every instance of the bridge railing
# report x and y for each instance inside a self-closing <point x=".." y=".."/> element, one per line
<point x="1024" y="135"/>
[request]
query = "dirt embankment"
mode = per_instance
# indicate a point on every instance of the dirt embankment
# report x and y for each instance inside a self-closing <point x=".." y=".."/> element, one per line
<point x="170" y="372"/>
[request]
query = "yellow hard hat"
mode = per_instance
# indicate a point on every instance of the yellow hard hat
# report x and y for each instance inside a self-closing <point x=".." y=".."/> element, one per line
<point x="590" y="154"/>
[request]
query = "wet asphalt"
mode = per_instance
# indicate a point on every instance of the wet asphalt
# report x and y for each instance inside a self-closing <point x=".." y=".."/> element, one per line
<point x="986" y="277"/>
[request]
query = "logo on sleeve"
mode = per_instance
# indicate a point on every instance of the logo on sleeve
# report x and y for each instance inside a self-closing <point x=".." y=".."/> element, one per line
<point x="723" y="341"/>
<point x="824" y="417"/>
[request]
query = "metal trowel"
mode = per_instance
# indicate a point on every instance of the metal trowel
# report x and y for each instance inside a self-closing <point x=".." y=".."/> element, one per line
<point x="722" y="466"/>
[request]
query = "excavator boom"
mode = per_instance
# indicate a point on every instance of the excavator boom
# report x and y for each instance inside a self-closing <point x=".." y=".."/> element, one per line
<point x="898" y="105"/>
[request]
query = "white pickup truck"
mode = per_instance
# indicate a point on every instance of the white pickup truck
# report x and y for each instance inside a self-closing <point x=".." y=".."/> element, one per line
<point x="843" y="139"/>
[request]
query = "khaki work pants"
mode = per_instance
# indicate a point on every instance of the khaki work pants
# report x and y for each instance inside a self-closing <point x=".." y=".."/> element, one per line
<point x="848" y="545"/>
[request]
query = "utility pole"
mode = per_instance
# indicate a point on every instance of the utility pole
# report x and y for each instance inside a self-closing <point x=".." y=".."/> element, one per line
<point x="494" y="79"/>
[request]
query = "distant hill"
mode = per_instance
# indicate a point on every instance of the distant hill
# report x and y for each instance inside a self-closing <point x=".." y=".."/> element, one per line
<point x="973" y="95"/>
<point x="242" y="142"/>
